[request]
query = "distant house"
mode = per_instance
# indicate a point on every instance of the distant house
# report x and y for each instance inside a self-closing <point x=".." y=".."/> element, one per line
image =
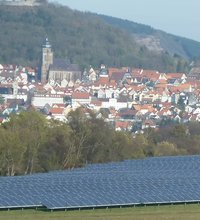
<point x="101" y="94"/>
<point x="95" y="104"/>
<point x="173" y="81"/>
<point x="80" y="98"/>
<point x="195" y="117"/>
<point x="196" y="111"/>
<point x="127" y="114"/>
<point x="57" y="112"/>
<point x="194" y="73"/>
<point x="92" y="75"/>
<point x="115" y="103"/>
<point x="117" y="77"/>
<point x="40" y="100"/>
<point x="181" y="77"/>
<point x="6" y="89"/>
<point x="148" y="124"/>
<point x="123" y="126"/>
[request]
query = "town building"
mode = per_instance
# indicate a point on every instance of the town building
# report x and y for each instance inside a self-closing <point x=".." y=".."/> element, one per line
<point x="55" y="70"/>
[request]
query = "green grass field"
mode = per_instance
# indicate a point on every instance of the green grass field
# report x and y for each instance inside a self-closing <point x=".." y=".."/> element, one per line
<point x="175" y="212"/>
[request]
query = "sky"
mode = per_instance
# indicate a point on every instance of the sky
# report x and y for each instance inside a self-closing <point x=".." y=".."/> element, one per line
<point x="179" y="17"/>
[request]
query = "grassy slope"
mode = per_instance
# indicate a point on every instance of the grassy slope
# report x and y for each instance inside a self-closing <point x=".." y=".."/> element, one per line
<point x="148" y="213"/>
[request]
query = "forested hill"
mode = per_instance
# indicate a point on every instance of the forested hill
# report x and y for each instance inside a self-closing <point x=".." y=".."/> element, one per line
<point x="82" y="37"/>
<point x="158" y="40"/>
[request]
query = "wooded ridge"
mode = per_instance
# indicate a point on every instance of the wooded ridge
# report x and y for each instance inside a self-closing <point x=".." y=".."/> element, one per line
<point x="84" y="38"/>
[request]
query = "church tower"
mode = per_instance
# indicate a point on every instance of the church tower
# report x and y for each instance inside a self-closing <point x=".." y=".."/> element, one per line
<point x="15" y="89"/>
<point x="47" y="60"/>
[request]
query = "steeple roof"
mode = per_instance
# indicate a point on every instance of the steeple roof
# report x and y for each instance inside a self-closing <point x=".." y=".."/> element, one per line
<point x="47" y="44"/>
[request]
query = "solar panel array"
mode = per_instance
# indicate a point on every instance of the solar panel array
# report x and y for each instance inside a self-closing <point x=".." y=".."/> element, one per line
<point x="145" y="181"/>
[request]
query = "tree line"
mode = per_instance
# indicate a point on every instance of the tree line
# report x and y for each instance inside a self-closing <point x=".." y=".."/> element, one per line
<point x="30" y="143"/>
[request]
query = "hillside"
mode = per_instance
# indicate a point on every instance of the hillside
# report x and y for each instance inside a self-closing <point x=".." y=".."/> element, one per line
<point x="156" y="39"/>
<point x="82" y="37"/>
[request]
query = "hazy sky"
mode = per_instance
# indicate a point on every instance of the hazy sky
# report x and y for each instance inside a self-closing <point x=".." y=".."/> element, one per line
<point x="180" y="17"/>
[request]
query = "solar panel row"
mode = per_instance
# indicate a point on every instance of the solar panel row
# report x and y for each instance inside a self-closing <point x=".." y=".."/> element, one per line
<point x="152" y="180"/>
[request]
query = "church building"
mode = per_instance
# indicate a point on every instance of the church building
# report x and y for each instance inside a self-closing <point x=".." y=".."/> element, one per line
<point x="57" y="70"/>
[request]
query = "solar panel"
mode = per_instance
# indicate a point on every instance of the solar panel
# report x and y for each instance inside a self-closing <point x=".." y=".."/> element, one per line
<point x="145" y="181"/>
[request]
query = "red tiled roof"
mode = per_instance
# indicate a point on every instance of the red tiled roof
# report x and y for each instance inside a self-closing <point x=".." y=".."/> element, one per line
<point x="58" y="105"/>
<point x="117" y="76"/>
<point x="121" y="124"/>
<point x="136" y="72"/>
<point x="162" y="81"/>
<point x="179" y="88"/>
<point x="103" y="80"/>
<point x="80" y="95"/>
<point x="56" y="111"/>
<point x="174" y="75"/>
<point x="112" y="71"/>
<point x="129" y="112"/>
<point x="96" y="102"/>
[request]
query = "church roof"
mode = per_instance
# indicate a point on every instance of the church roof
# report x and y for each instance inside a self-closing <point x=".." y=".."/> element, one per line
<point x="63" y="65"/>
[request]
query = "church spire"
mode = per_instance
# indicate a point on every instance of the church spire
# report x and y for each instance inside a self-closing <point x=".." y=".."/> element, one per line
<point x="47" y="44"/>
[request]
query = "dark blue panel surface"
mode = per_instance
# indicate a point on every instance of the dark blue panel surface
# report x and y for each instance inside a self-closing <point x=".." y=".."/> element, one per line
<point x="146" y="181"/>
